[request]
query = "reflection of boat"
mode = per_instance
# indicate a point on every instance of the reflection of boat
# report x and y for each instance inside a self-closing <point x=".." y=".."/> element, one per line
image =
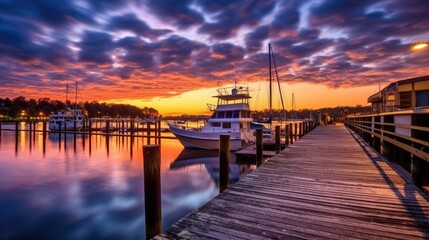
<point x="111" y="129"/>
<point x="210" y="159"/>
<point x="231" y="116"/>
<point x="70" y="119"/>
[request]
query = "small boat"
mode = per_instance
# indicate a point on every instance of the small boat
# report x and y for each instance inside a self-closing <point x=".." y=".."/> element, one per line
<point x="231" y="116"/>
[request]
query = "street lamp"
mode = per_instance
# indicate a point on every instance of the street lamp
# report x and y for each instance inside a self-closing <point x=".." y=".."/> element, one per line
<point x="420" y="45"/>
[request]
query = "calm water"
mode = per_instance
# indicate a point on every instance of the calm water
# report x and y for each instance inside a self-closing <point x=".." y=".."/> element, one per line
<point x="82" y="188"/>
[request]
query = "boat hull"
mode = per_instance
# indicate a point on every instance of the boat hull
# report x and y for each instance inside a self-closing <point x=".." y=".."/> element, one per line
<point x="64" y="127"/>
<point x="210" y="141"/>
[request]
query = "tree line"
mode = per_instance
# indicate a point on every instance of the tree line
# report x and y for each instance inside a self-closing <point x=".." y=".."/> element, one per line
<point x="335" y="113"/>
<point x="43" y="107"/>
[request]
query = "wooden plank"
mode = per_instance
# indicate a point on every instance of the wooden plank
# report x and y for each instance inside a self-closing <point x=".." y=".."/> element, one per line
<point x="328" y="185"/>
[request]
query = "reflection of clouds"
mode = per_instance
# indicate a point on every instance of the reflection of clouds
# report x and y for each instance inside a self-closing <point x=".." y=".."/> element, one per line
<point x="74" y="195"/>
<point x="184" y="190"/>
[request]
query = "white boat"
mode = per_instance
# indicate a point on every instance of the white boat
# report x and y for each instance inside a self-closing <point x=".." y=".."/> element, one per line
<point x="70" y="119"/>
<point x="67" y="120"/>
<point x="231" y="116"/>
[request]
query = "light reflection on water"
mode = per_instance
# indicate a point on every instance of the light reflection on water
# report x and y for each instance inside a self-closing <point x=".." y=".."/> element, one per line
<point x="86" y="188"/>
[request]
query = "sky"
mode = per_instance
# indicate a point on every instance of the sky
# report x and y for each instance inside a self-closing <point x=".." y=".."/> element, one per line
<point x="172" y="55"/>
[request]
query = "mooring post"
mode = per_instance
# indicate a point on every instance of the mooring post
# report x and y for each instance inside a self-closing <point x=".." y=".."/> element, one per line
<point x="296" y="132"/>
<point x="159" y="130"/>
<point x="277" y="146"/>
<point x="224" y="163"/>
<point x="259" y="147"/>
<point x="148" y="132"/>
<point x="152" y="189"/>
<point x="305" y="127"/>
<point x="286" y="135"/>
<point x="300" y="129"/>
<point x="44" y="137"/>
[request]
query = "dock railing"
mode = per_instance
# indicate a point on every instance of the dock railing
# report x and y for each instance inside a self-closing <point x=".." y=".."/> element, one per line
<point x="401" y="137"/>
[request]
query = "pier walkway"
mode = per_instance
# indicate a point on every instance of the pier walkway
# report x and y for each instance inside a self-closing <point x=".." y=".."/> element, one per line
<point x="329" y="185"/>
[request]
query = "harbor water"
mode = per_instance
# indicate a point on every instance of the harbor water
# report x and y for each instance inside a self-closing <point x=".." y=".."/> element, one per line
<point x="82" y="187"/>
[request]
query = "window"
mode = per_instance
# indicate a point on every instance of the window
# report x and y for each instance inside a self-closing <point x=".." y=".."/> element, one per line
<point x="226" y="125"/>
<point x="405" y="99"/>
<point x="422" y="98"/>
<point x="236" y="114"/>
<point x="215" y="124"/>
<point x="228" y="114"/>
<point x="221" y="114"/>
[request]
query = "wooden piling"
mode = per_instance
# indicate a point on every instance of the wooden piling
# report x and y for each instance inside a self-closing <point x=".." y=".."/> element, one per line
<point x="148" y="132"/>
<point x="290" y="133"/>
<point x="259" y="147"/>
<point x="300" y="130"/>
<point x="107" y="128"/>
<point x="44" y="137"/>
<point x="152" y="189"/>
<point x="159" y="131"/>
<point x="296" y="132"/>
<point x="287" y="135"/>
<point x="224" y="162"/>
<point x="277" y="140"/>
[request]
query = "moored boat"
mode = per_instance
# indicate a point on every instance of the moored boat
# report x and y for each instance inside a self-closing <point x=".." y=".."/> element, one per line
<point x="231" y="116"/>
<point x="70" y="120"/>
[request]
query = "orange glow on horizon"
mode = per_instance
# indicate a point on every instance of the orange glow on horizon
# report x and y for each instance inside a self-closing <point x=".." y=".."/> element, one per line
<point x="310" y="96"/>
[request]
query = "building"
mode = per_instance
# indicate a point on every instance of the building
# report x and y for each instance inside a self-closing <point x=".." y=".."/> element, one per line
<point x="408" y="94"/>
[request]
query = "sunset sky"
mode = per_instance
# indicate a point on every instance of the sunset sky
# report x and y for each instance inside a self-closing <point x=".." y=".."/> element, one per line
<point x="172" y="55"/>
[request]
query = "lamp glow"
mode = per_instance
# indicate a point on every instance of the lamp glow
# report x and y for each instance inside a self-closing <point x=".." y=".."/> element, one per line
<point x="420" y="45"/>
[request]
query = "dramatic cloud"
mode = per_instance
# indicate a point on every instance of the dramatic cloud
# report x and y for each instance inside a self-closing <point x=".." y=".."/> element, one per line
<point x="155" y="48"/>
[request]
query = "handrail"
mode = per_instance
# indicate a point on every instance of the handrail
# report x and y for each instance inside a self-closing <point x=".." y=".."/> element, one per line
<point x="389" y="136"/>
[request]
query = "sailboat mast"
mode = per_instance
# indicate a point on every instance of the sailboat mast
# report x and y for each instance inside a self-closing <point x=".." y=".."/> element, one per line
<point x="271" y="93"/>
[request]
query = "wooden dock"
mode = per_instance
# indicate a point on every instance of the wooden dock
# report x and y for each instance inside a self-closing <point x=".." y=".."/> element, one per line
<point x="329" y="185"/>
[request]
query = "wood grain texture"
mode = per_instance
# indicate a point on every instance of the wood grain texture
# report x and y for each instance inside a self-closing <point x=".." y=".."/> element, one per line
<point x="328" y="185"/>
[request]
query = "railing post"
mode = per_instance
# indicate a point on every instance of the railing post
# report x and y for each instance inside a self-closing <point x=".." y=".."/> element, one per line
<point x="277" y="146"/>
<point x="259" y="147"/>
<point x="152" y="189"/>
<point x="224" y="162"/>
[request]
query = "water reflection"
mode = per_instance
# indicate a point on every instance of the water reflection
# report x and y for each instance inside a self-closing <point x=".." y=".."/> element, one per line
<point x="78" y="186"/>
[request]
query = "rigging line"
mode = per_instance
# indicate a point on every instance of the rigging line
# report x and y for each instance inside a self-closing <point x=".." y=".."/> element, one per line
<point x="278" y="83"/>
